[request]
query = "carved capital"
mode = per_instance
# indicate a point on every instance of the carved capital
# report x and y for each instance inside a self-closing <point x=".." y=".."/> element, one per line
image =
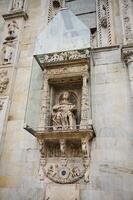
<point x="127" y="56"/>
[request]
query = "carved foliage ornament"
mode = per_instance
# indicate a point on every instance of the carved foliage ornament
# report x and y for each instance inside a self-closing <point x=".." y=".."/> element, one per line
<point x="4" y="80"/>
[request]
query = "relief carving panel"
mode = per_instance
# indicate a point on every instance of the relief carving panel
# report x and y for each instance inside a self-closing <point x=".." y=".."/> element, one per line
<point x="10" y="43"/>
<point x="4" y="81"/>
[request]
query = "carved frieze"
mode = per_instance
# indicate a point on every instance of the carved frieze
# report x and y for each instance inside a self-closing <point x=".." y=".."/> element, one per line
<point x="71" y="55"/>
<point x="63" y="56"/>
<point x="4" y="81"/>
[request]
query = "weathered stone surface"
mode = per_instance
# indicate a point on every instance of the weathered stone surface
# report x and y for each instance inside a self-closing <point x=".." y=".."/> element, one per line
<point x="109" y="105"/>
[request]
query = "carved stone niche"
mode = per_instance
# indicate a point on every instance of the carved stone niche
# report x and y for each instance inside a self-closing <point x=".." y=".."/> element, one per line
<point x="17" y="8"/>
<point x="65" y="130"/>
<point x="66" y="97"/>
<point x="65" y="159"/>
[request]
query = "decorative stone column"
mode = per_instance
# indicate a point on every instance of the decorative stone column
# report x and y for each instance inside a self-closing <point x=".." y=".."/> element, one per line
<point x="44" y="118"/>
<point x="104" y="22"/>
<point x="126" y="19"/>
<point x="85" y="103"/>
<point x="128" y="59"/>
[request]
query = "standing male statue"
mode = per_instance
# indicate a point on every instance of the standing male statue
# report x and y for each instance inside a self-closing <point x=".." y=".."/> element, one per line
<point x="63" y="115"/>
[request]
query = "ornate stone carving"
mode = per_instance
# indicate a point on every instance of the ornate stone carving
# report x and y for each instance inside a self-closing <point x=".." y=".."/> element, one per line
<point x="1" y="105"/>
<point x="104" y="22"/>
<point x="12" y="30"/>
<point x="127" y="56"/>
<point x="126" y="19"/>
<point x="17" y="5"/>
<point x="65" y="56"/>
<point x="4" y="80"/>
<point x="63" y="115"/>
<point x="64" y="174"/>
<point x="54" y="7"/>
<point x="8" y="51"/>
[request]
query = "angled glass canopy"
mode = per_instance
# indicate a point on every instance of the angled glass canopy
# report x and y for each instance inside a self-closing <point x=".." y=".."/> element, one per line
<point x="64" y="32"/>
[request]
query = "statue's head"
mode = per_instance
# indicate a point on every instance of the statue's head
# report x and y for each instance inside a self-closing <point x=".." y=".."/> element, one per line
<point x="65" y="95"/>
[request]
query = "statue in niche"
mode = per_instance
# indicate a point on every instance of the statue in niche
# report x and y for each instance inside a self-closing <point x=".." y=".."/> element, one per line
<point x="12" y="27"/>
<point x="63" y="115"/>
<point x="17" y="4"/>
<point x="104" y="16"/>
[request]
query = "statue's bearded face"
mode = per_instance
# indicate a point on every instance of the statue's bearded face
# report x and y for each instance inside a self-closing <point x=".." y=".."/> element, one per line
<point x="65" y="95"/>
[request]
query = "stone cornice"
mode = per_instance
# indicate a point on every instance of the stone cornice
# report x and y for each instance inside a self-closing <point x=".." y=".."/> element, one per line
<point x="19" y="13"/>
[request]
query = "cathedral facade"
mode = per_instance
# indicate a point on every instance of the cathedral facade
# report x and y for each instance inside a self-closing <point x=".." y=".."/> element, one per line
<point x="66" y="99"/>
